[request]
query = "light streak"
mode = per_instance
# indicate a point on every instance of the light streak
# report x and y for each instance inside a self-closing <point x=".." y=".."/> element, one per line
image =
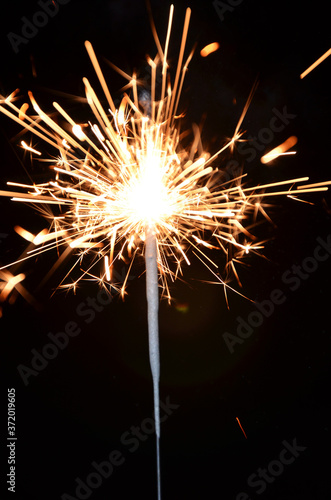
<point x="316" y="63"/>
<point x="241" y="427"/>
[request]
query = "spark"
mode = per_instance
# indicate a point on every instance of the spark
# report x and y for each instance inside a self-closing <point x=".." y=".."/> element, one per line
<point x="23" y="110"/>
<point x="209" y="49"/>
<point x="280" y="150"/>
<point x="11" y="282"/>
<point x="124" y="186"/>
<point x="241" y="427"/>
<point x="316" y="63"/>
<point x="29" y="148"/>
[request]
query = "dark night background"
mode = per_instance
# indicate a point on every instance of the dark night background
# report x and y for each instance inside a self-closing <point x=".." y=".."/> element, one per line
<point x="74" y="412"/>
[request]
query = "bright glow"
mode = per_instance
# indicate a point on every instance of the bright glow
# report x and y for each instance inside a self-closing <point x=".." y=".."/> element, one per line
<point x="147" y="198"/>
<point x="11" y="282"/>
<point x="77" y="130"/>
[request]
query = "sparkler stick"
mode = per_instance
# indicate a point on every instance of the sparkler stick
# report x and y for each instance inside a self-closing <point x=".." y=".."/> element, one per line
<point x="153" y="333"/>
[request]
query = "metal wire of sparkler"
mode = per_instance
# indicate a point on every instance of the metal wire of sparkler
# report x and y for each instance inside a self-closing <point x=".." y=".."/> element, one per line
<point x="125" y="186"/>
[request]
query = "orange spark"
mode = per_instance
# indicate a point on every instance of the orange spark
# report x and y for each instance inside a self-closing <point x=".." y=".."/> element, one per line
<point x="28" y="148"/>
<point x="241" y="427"/>
<point x="316" y="63"/>
<point x="24" y="233"/>
<point x="280" y="150"/>
<point x="315" y="184"/>
<point x="12" y="281"/>
<point x="208" y="49"/>
<point x="23" y="109"/>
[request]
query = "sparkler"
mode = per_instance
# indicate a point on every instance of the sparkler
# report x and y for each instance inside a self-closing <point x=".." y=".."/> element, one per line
<point x="124" y="186"/>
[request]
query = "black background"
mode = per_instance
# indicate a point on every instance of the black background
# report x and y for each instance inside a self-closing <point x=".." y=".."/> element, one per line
<point x="75" y="410"/>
